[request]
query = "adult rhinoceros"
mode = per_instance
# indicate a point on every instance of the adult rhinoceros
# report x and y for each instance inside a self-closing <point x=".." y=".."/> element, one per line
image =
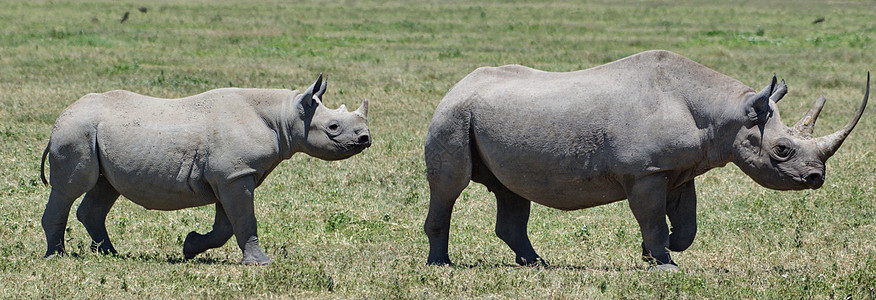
<point x="640" y="128"/>
<point x="169" y="154"/>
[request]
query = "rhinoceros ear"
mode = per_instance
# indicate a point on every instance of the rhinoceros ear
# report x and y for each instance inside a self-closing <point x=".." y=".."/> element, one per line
<point x="757" y="106"/>
<point x="779" y="92"/>
<point x="307" y="97"/>
<point x="318" y="94"/>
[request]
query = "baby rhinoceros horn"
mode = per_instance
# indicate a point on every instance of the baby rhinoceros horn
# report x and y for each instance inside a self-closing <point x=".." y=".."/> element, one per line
<point x="827" y="145"/>
<point x="363" y="109"/>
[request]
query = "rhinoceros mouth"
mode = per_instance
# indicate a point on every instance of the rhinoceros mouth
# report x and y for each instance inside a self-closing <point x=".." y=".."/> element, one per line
<point x="814" y="186"/>
<point x="813" y="180"/>
<point x="346" y="146"/>
<point x="350" y="149"/>
<point x="343" y="151"/>
<point x="358" y="147"/>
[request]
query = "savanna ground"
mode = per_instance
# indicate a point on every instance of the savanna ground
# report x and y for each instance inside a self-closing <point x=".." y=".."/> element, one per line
<point x="353" y="228"/>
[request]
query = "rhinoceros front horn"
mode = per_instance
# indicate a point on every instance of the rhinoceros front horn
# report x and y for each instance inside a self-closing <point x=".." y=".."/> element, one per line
<point x="363" y="108"/>
<point x="827" y="145"/>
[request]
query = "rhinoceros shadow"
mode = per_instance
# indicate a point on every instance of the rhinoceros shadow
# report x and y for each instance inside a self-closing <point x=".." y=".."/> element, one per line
<point x="201" y="261"/>
<point x="174" y="260"/>
<point x="483" y="264"/>
<point x="154" y="257"/>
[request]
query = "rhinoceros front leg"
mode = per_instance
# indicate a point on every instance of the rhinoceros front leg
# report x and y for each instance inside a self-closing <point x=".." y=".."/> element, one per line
<point x="198" y="243"/>
<point x="681" y="208"/>
<point x="647" y="199"/>
<point x="237" y="199"/>
<point x="512" y="217"/>
<point x="92" y="213"/>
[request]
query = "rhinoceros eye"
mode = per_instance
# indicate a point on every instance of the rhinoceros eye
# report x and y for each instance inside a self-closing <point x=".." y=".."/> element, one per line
<point x="333" y="128"/>
<point x="783" y="151"/>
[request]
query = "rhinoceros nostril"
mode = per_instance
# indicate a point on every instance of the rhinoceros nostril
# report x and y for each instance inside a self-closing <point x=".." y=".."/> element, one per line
<point x="365" y="139"/>
<point x="815" y="179"/>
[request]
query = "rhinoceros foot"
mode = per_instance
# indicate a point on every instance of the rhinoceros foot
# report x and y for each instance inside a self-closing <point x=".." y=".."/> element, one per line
<point x="191" y="245"/>
<point x="255" y="256"/>
<point x="664" y="268"/>
<point x="439" y="261"/>
<point x="537" y="261"/>
<point x="55" y="252"/>
<point x="103" y="248"/>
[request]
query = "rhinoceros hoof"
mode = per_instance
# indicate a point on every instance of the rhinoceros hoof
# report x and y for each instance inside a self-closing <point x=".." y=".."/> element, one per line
<point x="534" y="262"/>
<point x="664" y="268"/>
<point x="103" y="248"/>
<point x="55" y="252"/>
<point x="258" y="259"/>
<point x="442" y="261"/>
<point x="190" y="249"/>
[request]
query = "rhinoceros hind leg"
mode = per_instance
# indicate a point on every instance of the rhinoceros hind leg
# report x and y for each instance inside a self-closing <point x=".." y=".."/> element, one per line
<point x="448" y="169"/>
<point x="512" y="217"/>
<point x="73" y="171"/>
<point x="54" y="221"/>
<point x="237" y="199"/>
<point x="437" y="224"/>
<point x="92" y="213"/>
<point x="444" y="188"/>
<point x="198" y="243"/>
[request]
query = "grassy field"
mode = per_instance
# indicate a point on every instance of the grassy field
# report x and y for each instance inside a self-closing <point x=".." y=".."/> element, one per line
<point x="353" y="228"/>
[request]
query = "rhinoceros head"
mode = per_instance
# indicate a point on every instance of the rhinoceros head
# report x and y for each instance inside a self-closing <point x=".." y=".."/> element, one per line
<point x="332" y="134"/>
<point x="781" y="157"/>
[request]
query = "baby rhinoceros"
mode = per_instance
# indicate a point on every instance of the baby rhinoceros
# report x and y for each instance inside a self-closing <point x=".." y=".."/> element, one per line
<point x="640" y="128"/>
<point x="169" y="154"/>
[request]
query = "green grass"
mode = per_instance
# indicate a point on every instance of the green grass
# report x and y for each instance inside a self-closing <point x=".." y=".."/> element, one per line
<point x="352" y="228"/>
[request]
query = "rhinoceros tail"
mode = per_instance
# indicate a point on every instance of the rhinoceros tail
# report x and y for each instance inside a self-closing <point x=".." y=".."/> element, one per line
<point x="43" y="166"/>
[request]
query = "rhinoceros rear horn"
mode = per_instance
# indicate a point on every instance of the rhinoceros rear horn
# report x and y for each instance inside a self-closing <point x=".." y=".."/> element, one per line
<point x="363" y="109"/>
<point x="827" y="145"/>
<point x="807" y="123"/>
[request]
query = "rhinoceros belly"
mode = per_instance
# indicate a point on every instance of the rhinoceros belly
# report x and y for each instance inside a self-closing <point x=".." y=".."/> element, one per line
<point x="565" y="172"/>
<point x="558" y="187"/>
<point x="158" y="167"/>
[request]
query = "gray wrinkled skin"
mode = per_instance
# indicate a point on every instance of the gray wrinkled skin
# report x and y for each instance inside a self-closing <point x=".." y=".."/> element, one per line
<point x="640" y="128"/>
<point x="169" y="154"/>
